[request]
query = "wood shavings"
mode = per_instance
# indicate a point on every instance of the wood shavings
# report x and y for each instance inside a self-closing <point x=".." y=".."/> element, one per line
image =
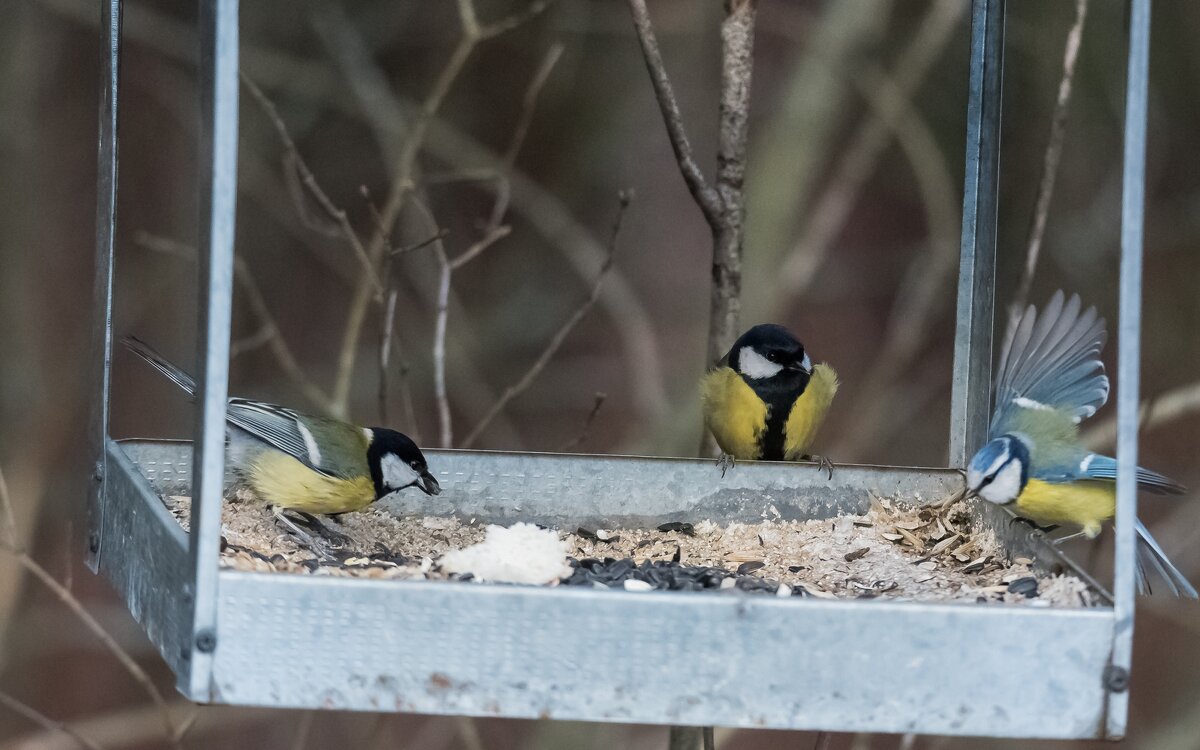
<point x="893" y="551"/>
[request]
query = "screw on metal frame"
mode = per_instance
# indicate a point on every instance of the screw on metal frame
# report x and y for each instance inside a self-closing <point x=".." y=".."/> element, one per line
<point x="1133" y="196"/>
<point x="218" y="191"/>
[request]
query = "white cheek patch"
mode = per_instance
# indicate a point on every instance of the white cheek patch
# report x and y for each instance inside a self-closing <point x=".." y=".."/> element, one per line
<point x="806" y="363"/>
<point x="1006" y="486"/>
<point x="396" y="473"/>
<point x="310" y="444"/>
<point x="755" y="366"/>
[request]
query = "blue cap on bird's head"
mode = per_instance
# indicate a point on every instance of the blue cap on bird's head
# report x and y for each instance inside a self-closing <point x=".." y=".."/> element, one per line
<point x="999" y="470"/>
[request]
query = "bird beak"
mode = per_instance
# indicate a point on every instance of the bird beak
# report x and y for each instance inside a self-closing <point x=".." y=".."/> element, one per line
<point x="970" y="494"/>
<point x="429" y="485"/>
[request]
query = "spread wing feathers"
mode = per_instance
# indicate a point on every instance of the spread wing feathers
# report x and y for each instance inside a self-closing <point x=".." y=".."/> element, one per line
<point x="1096" y="466"/>
<point x="1151" y="555"/>
<point x="274" y="425"/>
<point x="161" y="363"/>
<point x="1053" y="359"/>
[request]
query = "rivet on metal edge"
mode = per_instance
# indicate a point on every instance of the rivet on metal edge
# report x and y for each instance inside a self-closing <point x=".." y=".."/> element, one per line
<point x="206" y="641"/>
<point x="94" y="542"/>
<point x="1116" y="679"/>
<point x="98" y="472"/>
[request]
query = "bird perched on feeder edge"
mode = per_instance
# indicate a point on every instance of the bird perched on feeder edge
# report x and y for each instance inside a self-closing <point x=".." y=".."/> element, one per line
<point x="1049" y="380"/>
<point x="307" y="464"/>
<point x="766" y="400"/>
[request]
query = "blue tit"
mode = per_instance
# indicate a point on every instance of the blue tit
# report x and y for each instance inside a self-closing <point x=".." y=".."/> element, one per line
<point x="765" y="399"/>
<point x="1050" y="379"/>
<point x="308" y="464"/>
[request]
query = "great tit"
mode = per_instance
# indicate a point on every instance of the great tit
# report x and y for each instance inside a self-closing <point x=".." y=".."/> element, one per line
<point x="304" y="463"/>
<point x="1049" y="380"/>
<point x="765" y="399"/>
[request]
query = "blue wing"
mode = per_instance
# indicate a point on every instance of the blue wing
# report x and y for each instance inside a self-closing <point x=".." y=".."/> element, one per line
<point x="1052" y="360"/>
<point x="1095" y="466"/>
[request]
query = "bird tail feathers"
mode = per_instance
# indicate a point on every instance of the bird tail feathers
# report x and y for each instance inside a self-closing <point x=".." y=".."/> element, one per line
<point x="1151" y="556"/>
<point x="161" y="363"/>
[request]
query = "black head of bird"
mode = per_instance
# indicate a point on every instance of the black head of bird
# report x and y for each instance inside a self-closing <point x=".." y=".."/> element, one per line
<point x="396" y="463"/>
<point x="769" y="353"/>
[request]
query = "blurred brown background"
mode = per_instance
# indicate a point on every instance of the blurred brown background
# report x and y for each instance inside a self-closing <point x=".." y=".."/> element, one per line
<point x="867" y="198"/>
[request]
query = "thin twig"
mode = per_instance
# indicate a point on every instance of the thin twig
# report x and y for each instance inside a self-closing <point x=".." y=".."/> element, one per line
<point x="469" y="733"/>
<point x="385" y="352"/>
<point x="439" y="347"/>
<point x="303" y="728"/>
<point x="138" y="726"/>
<point x="45" y="722"/>
<point x="824" y="740"/>
<point x="908" y="741"/>
<point x="860" y="158"/>
<point x="556" y="341"/>
<point x="491" y="238"/>
<point x="309" y="180"/>
<point x="402" y="181"/>
<point x="1169" y="406"/>
<point x="704" y="194"/>
<point x="923" y="285"/>
<point x="528" y="107"/>
<point x="258" y="304"/>
<point x="723" y="205"/>
<point x="34" y="568"/>
<point x="1050" y="161"/>
<point x="584" y="431"/>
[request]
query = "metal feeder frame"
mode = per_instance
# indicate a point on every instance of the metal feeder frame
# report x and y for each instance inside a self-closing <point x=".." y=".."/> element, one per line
<point x="294" y="641"/>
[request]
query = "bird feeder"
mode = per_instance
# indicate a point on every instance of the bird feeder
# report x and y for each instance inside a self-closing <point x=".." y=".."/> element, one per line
<point x="242" y="638"/>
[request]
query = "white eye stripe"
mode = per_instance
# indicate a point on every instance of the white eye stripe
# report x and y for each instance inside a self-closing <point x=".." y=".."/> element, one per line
<point x="755" y="366"/>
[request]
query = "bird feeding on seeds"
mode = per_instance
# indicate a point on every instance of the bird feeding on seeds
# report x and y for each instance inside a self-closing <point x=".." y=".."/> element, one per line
<point x="307" y="464"/>
<point x="766" y="400"/>
<point x="1051" y="379"/>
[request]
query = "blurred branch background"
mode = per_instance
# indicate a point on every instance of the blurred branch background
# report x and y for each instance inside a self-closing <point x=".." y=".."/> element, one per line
<point x="431" y="128"/>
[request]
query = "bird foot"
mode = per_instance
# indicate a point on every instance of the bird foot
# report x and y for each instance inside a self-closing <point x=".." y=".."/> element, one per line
<point x="315" y="536"/>
<point x="726" y="462"/>
<point x="1032" y="525"/>
<point x="821" y="461"/>
<point x="1067" y="538"/>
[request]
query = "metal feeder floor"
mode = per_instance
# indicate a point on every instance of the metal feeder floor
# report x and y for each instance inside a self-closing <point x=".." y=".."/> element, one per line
<point x="302" y="641"/>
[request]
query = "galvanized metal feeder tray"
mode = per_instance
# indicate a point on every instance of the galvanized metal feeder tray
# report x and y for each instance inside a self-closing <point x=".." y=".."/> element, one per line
<point x="675" y="658"/>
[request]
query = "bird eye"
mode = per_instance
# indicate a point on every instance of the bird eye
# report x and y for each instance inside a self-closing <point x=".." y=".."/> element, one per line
<point x="416" y="465"/>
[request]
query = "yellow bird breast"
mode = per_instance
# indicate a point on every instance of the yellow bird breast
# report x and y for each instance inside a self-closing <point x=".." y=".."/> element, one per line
<point x="1085" y="503"/>
<point x="809" y="412"/>
<point x="733" y="412"/>
<point x="281" y="480"/>
<point x="737" y="416"/>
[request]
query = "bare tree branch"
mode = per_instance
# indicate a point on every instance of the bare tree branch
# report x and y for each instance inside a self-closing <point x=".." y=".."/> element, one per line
<point x="447" y="269"/>
<point x="303" y="728"/>
<point x="723" y="206"/>
<point x="1050" y="161"/>
<point x="1175" y="404"/>
<point x="861" y="156"/>
<point x="309" y="181"/>
<point x="737" y="64"/>
<point x="528" y="107"/>
<point x="139" y="726"/>
<point x="258" y="305"/>
<point x="34" y="568"/>
<point x="705" y="195"/>
<point x="923" y="285"/>
<point x="584" y="431"/>
<point x="45" y="722"/>
<point x="556" y="341"/>
<point x="402" y="181"/>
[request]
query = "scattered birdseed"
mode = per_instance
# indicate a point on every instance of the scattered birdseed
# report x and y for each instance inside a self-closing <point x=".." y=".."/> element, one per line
<point x="893" y="551"/>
